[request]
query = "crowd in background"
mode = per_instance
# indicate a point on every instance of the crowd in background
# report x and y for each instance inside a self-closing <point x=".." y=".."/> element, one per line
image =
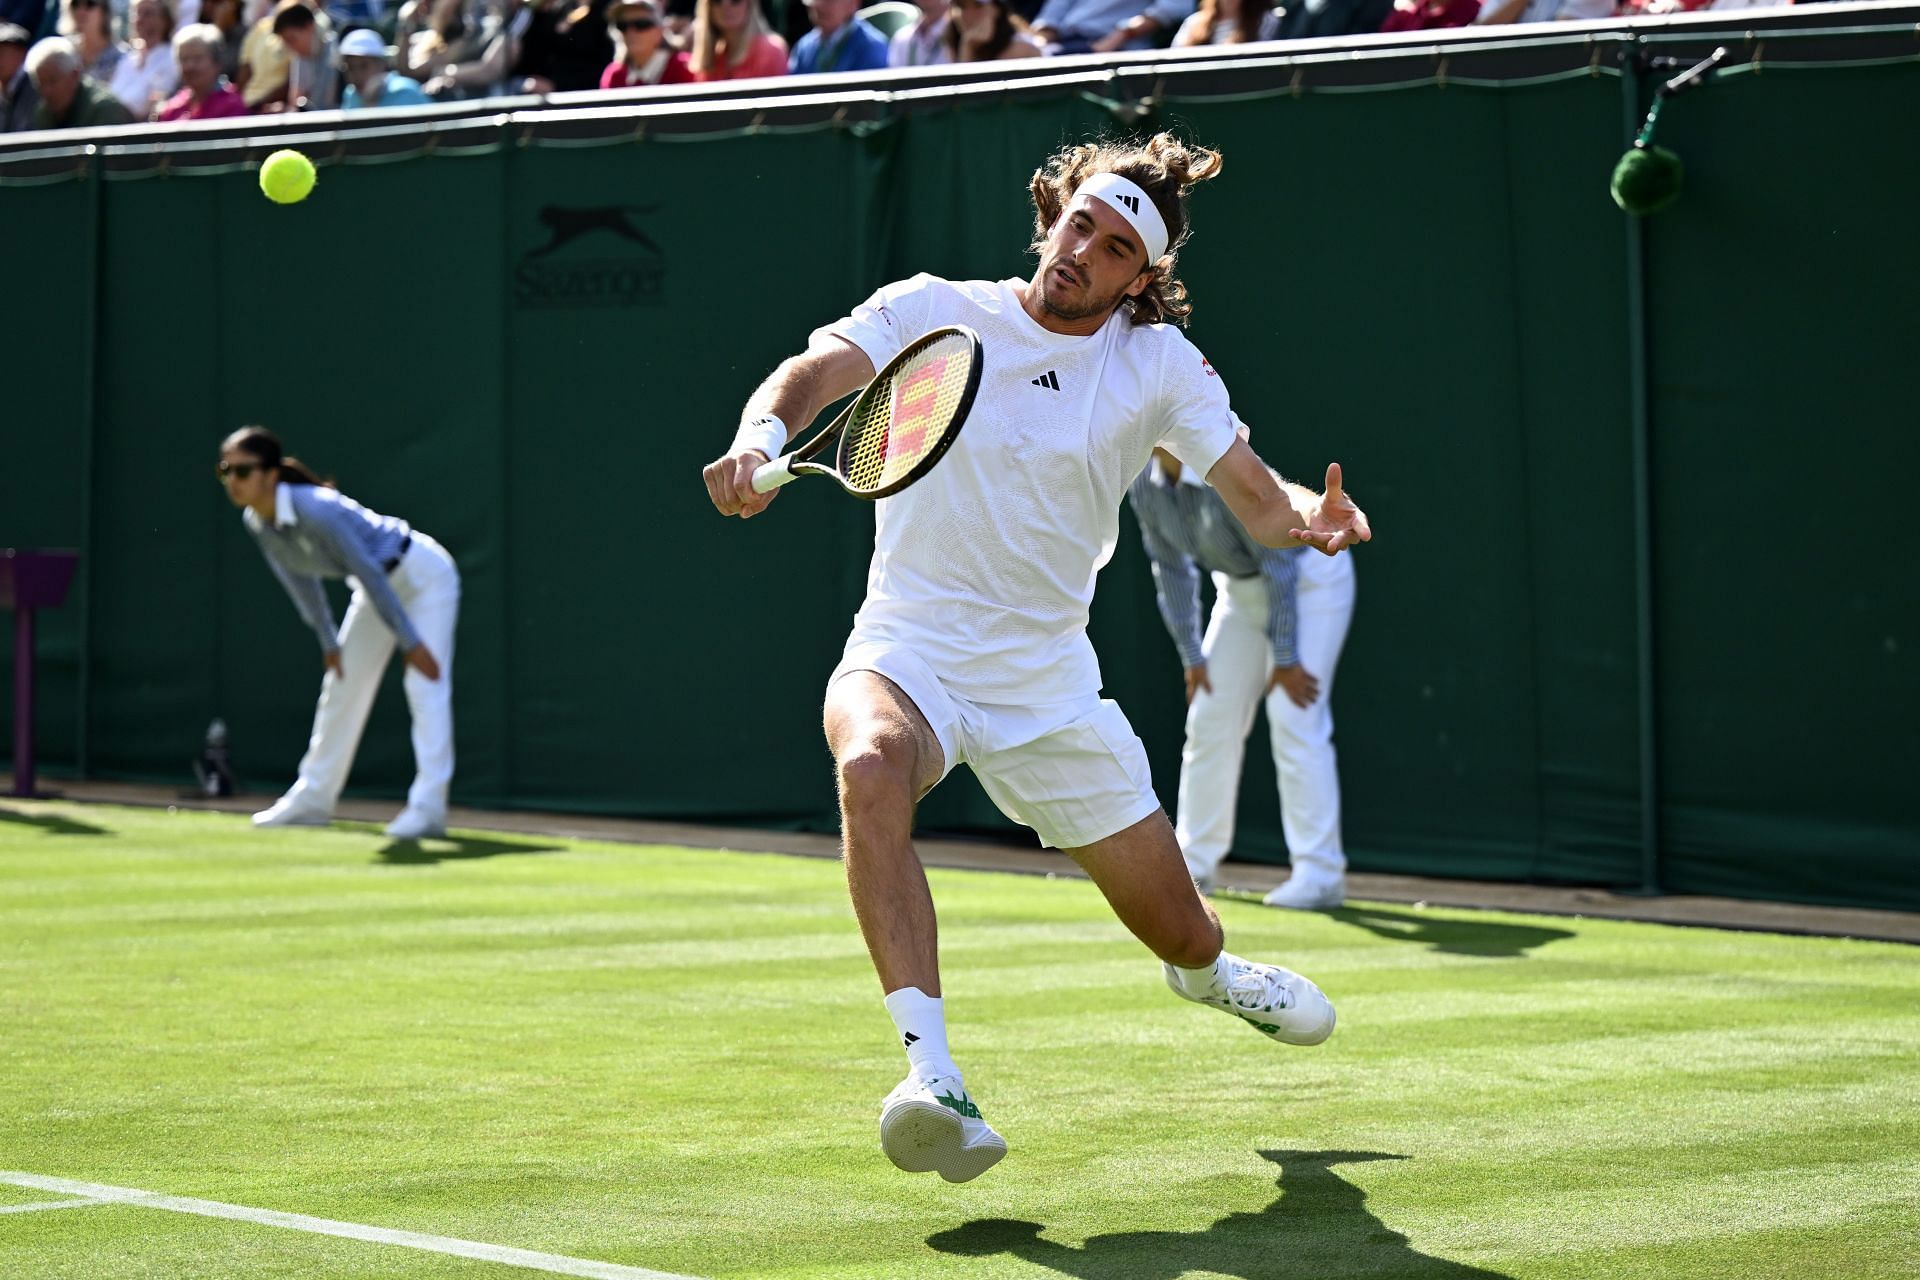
<point x="77" y="63"/>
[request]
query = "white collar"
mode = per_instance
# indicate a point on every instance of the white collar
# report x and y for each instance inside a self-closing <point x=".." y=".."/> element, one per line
<point x="1186" y="475"/>
<point x="283" y="512"/>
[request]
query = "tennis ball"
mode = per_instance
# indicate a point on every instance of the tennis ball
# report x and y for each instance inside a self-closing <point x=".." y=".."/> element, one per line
<point x="286" y="177"/>
<point x="1646" y="180"/>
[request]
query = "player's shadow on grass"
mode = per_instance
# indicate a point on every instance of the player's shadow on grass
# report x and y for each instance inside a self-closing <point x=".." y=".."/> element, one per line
<point x="1457" y="937"/>
<point x="1319" y="1229"/>
<point x="53" y="823"/>
<point x="413" y="853"/>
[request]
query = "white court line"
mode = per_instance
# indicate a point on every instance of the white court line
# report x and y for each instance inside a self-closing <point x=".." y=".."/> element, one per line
<point x="38" y="1205"/>
<point x="556" y="1263"/>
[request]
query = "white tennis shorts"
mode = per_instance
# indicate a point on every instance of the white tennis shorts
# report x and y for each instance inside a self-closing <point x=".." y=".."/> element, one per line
<point x="1074" y="771"/>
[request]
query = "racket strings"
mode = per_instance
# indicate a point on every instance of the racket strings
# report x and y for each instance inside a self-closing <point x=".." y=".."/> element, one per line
<point x="894" y="428"/>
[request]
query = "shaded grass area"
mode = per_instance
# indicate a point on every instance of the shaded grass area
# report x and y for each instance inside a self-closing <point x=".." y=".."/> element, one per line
<point x="673" y="1059"/>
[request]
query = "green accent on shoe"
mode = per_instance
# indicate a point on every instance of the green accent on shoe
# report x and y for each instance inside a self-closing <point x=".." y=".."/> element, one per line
<point x="1267" y="1027"/>
<point x="963" y="1104"/>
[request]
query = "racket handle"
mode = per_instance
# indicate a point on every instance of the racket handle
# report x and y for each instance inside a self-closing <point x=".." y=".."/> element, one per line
<point x="771" y="475"/>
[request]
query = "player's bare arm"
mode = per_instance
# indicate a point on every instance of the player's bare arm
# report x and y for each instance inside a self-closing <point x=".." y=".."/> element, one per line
<point x="794" y="393"/>
<point x="1280" y="513"/>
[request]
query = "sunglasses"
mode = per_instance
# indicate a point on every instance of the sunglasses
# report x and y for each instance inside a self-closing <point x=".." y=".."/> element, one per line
<point x="637" y="24"/>
<point x="238" y="470"/>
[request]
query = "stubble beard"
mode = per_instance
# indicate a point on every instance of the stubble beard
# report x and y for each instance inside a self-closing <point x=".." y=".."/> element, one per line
<point x="1092" y="307"/>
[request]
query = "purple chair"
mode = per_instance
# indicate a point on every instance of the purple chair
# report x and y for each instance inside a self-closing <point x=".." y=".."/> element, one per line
<point x="29" y="580"/>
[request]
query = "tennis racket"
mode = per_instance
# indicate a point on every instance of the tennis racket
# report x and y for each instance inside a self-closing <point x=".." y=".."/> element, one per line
<point x="897" y="428"/>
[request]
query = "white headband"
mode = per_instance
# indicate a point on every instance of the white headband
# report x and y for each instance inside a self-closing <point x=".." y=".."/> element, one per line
<point x="1130" y="202"/>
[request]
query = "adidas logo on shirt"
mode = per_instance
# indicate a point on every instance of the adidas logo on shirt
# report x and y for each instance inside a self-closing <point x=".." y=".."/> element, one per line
<point x="1048" y="380"/>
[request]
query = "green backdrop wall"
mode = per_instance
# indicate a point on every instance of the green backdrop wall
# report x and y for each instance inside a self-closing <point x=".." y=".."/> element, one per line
<point x="1428" y="284"/>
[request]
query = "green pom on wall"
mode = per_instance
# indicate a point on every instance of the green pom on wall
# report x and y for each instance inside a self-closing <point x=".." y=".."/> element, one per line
<point x="1646" y="180"/>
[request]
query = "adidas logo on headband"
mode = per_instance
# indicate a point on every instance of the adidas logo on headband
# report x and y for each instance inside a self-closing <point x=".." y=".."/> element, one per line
<point x="1127" y="199"/>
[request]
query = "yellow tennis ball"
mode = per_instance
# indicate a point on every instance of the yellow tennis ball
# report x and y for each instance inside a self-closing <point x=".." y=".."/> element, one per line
<point x="286" y="177"/>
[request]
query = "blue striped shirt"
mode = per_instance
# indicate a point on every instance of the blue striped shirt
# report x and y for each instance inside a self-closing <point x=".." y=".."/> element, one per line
<point x="1186" y="526"/>
<point x="321" y="533"/>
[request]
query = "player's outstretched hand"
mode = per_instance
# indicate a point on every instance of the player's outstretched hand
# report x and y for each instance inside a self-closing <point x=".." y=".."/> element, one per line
<point x="730" y="484"/>
<point x="1338" y="524"/>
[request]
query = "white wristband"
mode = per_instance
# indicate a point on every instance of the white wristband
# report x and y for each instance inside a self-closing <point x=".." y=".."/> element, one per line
<point x="767" y="434"/>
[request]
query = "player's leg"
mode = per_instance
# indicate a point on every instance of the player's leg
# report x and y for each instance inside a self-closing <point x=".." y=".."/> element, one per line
<point x="339" y="719"/>
<point x="430" y="588"/>
<point x="1218" y="720"/>
<point x="1303" y="751"/>
<point x="886" y="756"/>
<point x="1086" y="789"/>
<point x="1143" y="877"/>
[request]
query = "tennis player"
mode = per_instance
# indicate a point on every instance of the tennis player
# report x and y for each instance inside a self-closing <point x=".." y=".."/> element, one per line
<point x="406" y="592"/>
<point x="972" y="642"/>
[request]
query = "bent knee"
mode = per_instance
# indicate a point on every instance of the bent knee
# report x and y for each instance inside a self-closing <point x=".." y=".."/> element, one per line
<point x="874" y="770"/>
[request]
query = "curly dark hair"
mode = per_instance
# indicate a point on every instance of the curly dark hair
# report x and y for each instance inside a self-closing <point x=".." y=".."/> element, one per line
<point x="1162" y="166"/>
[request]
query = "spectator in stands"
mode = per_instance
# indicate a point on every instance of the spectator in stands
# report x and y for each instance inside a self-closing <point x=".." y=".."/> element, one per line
<point x="1106" y="26"/>
<point x="841" y="40"/>
<point x="645" y="57"/>
<point x="1229" y="22"/>
<point x="266" y="61"/>
<point x="224" y="17"/>
<point x="987" y="31"/>
<point x="263" y="64"/>
<point x="146" y="76"/>
<point x="565" y="48"/>
<point x="1497" y="12"/>
<point x="1317" y="19"/>
<point x="89" y="24"/>
<point x="676" y="22"/>
<point x="18" y="97"/>
<point x="1427" y="15"/>
<point x="28" y="15"/>
<point x="466" y="47"/>
<point x="731" y="42"/>
<point x="204" y="92"/>
<point x="68" y="99"/>
<point x="924" y="43"/>
<point x="313" y="81"/>
<point x="366" y="64"/>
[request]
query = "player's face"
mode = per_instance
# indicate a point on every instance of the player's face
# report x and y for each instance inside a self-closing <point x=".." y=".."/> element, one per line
<point x="1093" y="258"/>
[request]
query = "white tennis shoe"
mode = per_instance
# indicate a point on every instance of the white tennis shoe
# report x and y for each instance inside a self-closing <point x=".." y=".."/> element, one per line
<point x="933" y="1126"/>
<point x="1301" y="893"/>
<point x="1276" y="1002"/>
<point x="417" y="824"/>
<point x="288" y="812"/>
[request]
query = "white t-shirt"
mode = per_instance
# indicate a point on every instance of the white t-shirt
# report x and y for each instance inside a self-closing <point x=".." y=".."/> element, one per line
<point x="985" y="567"/>
<point x="143" y="80"/>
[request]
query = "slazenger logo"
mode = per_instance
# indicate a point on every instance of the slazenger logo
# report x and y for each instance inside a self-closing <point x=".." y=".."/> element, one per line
<point x="913" y="401"/>
<point x="632" y="278"/>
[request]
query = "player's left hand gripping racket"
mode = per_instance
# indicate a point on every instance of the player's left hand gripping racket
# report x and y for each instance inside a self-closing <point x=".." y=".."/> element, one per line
<point x="898" y="427"/>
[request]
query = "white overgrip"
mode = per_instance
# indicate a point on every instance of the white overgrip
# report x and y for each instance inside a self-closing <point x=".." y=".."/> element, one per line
<point x="770" y="476"/>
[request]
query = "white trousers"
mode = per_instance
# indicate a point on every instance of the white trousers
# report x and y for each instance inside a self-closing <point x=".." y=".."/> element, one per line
<point x="428" y="585"/>
<point x="1239" y="659"/>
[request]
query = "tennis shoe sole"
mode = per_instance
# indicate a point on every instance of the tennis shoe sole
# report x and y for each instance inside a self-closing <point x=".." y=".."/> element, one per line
<point x="921" y="1135"/>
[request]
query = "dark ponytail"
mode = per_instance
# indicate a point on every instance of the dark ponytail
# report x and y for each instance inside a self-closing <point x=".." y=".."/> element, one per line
<point x="263" y="447"/>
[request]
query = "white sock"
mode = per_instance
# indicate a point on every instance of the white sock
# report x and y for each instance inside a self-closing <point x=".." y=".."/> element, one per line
<point x="1206" y="981"/>
<point x="922" y="1022"/>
